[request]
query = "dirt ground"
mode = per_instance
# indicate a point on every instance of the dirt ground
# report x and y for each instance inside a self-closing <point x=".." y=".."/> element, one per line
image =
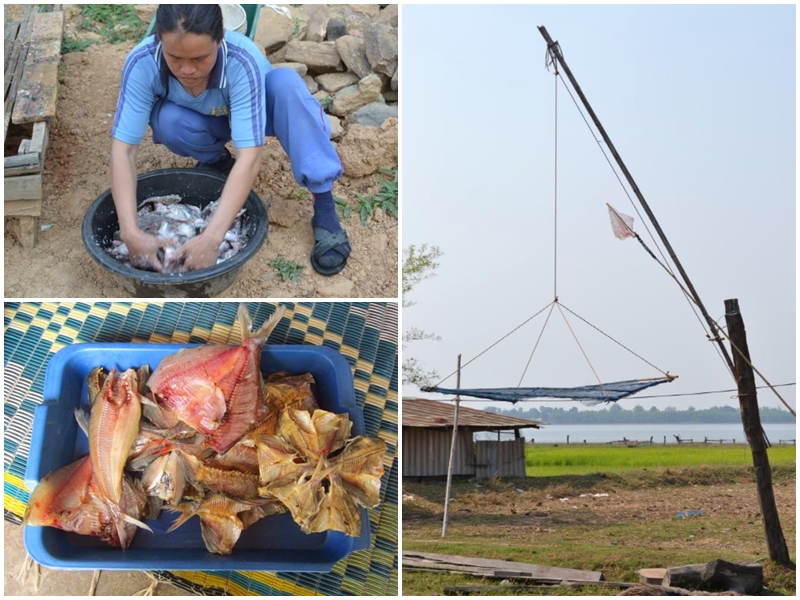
<point x="77" y="171"/>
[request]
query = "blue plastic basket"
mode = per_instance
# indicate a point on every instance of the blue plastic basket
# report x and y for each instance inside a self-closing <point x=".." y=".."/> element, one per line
<point x="274" y="543"/>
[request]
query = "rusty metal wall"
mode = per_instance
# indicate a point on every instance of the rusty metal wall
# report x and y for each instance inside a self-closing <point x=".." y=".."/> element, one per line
<point x="500" y="459"/>
<point x="426" y="452"/>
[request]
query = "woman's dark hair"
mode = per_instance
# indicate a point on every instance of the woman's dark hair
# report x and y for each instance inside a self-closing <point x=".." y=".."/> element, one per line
<point x="190" y="18"/>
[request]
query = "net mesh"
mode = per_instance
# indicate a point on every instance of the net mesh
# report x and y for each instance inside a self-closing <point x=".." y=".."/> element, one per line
<point x="621" y="224"/>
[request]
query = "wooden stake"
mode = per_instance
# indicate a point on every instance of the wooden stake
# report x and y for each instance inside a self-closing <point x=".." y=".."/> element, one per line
<point x="452" y="453"/>
<point x="756" y="438"/>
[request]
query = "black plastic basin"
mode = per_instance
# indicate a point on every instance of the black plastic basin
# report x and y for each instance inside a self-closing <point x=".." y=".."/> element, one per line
<point x="198" y="187"/>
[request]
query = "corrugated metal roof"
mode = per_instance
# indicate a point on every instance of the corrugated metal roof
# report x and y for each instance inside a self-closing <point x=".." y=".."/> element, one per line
<point x="420" y="412"/>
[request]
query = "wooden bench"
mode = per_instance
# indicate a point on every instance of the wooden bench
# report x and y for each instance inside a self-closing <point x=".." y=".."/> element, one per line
<point x="32" y="56"/>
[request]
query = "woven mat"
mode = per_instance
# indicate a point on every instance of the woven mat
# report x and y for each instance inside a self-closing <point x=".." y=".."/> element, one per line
<point x="364" y="333"/>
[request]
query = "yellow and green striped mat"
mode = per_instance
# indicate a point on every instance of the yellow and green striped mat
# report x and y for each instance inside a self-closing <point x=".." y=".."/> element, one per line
<point x="364" y="333"/>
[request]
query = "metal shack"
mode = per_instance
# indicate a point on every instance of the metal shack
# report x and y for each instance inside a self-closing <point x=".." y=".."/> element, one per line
<point x="428" y="432"/>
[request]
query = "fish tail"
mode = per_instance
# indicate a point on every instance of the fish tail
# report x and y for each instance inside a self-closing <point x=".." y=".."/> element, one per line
<point x="260" y="336"/>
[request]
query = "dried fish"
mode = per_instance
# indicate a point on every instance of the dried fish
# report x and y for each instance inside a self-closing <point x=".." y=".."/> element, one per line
<point x="222" y="519"/>
<point x="113" y="426"/>
<point x="319" y="475"/>
<point x="205" y="434"/>
<point x="216" y="388"/>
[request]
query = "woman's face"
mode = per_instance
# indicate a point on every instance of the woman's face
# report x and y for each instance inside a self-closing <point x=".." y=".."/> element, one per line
<point x="190" y="56"/>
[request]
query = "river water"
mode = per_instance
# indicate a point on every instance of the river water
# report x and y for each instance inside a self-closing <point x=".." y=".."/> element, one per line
<point x="602" y="433"/>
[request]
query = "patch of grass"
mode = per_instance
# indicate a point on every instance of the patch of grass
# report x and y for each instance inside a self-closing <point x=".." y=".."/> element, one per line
<point x="386" y="199"/>
<point x="74" y="44"/>
<point x="299" y="195"/>
<point x="297" y="22"/>
<point x="326" y="103"/>
<point x="114" y="22"/>
<point x="544" y="460"/>
<point x="287" y="269"/>
<point x="545" y="521"/>
<point x="342" y="207"/>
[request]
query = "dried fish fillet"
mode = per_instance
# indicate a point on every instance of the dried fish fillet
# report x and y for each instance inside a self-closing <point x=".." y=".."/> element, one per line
<point x="216" y="388"/>
<point x="113" y="426"/>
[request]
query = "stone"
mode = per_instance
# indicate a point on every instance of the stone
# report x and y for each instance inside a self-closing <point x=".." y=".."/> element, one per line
<point x="284" y="213"/>
<point x="353" y="53"/>
<point x="371" y="10"/>
<point x="274" y="29"/>
<point x="278" y="56"/>
<point x="333" y="82"/>
<point x="354" y="97"/>
<point x="356" y="22"/>
<point x="317" y="23"/>
<point x="380" y="43"/>
<point x="320" y="96"/>
<point x="395" y="81"/>
<point x="363" y="149"/>
<point x="313" y="86"/>
<point x="388" y="15"/>
<point x="336" y="29"/>
<point x="146" y="12"/>
<point x="337" y="131"/>
<point x="373" y="114"/>
<point x="390" y="97"/>
<point x="298" y="67"/>
<point x="320" y="57"/>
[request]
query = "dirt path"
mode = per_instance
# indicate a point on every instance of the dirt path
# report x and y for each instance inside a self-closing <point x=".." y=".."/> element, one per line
<point x="77" y="171"/>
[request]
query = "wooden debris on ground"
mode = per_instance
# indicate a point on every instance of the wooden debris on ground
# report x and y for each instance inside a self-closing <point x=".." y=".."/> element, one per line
<point x="662" y="590"/>
<point x="504" y="569"/>
<point x="32" y="56"/>
<point x="717" y="575"/>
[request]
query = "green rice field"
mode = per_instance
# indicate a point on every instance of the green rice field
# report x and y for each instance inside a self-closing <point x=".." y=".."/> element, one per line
<point x="579" y="459"/>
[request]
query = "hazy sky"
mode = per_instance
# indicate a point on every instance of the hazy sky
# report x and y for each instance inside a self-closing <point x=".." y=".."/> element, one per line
<point x="700" y="103"/>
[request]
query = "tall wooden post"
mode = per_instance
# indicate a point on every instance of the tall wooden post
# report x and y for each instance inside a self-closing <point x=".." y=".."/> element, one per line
<point x="748" y="406"/>
<point x="452" y="453"/>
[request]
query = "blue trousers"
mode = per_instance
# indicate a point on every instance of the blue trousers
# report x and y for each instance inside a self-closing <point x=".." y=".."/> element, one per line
<point x="293" y="116"/>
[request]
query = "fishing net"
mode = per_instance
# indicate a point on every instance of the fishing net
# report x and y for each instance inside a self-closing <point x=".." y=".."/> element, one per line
<point x="621" y="223"/>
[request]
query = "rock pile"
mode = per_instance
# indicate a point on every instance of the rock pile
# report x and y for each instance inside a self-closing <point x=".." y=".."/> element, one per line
<point x="348" y="56"/>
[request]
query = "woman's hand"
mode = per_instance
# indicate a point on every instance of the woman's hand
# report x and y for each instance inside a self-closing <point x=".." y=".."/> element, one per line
<point x="199" y="252"/>
<point x="143" y="249"/>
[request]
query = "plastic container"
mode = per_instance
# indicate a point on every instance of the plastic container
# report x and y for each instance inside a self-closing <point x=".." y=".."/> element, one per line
<point x="234" y="18"/>
<point x="274" y="543"/>
<point x="196" y="186"/>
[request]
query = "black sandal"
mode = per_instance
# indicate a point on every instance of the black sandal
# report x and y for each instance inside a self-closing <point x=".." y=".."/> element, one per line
<point x="325" y="241"/>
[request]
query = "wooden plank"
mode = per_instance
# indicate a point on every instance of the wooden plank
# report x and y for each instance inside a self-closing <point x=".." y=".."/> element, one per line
<point x="10" y="35"/>
<point x="38" y="89"/>
<point x="21" y="160"/>
<point x="27" y="187"/>
<point x="22" y="208"/>
<point x="535" y="571"/>
<point x="40" y="137"/>
<point x="19" y="54"/>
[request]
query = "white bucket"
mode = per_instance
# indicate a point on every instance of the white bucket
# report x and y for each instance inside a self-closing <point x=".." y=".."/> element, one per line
<point x="234" y="18"/>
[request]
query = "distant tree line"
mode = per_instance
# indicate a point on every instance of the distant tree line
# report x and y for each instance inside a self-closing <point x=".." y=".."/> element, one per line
<point x="616" y="414"/>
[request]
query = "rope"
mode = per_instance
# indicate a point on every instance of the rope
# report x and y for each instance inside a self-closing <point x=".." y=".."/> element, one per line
<point x="555" y="187"/>
<point x="493" y="345"/>
<point x="591" y="366"/>
<point x="552" y="305"/>
<point x="761" y="387"/>
<point x="665" y="265"/>
<point x="615" y="341"/>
